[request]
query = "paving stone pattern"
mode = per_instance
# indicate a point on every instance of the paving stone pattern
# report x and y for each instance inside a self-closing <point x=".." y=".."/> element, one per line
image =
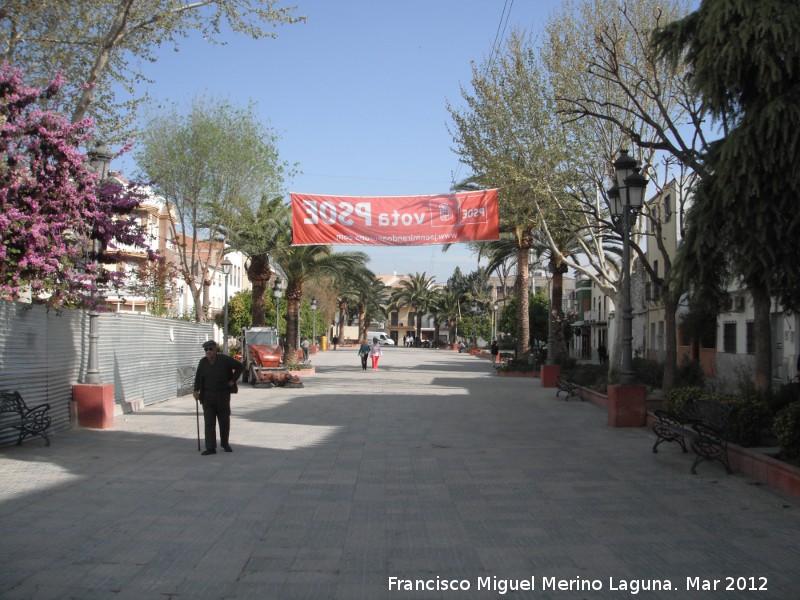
<point x="431" y="470"/>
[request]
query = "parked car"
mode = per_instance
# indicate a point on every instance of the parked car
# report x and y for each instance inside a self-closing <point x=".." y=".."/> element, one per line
<point x="383" y="339"/>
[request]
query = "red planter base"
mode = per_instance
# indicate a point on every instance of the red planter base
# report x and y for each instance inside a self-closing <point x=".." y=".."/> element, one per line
<point x="549" y="375"/>
<point x="627" y="405"/>
<point x="95" y="404"/>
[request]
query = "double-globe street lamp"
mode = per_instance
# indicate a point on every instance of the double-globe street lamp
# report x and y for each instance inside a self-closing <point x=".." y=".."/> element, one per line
<point x="626" y="197"/>
<point x="226" y="267"/>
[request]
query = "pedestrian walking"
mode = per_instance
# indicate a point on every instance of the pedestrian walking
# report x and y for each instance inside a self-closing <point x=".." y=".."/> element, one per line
<point x="335" y="341"/>
<point x="304" y="345"/>
<point x="363" y="353"/>
<point x="375" y="352"/>
<point x="495" y="351"/>
<point x="214" y="382"/>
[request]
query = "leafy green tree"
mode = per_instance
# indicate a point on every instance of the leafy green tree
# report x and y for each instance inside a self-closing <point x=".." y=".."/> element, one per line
<point x="613" y="92"/>
<point x="509" y="136"/>
<point x="210" y="165"/>
<point x="100" y="45"/>
<point x="239" y="313"/>
<point x="744" y="60"/>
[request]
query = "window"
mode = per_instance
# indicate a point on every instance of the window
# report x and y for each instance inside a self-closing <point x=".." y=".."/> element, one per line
<point x="729" y="337"/>
<point x="751" y="337"/>
<point x="667" y="208"/>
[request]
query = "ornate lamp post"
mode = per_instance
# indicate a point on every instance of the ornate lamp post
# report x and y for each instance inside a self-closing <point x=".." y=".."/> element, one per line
<point x="494" y="332"/>
<point x="226" y="267"/>
<point x="99" y="159"/>
<point x="626" y="198"/>
<point x="313" y="320"/>
<point x="277" y="292"/>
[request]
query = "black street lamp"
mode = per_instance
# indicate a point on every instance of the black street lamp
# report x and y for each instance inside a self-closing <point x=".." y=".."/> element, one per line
<point x="99" y="159"/>
<point x="626" y="197"/>
<point x="226" y="267"/>
<point x="277" y="292"/>
<point x="313" y="320"/>
<point x="494" y="333"/>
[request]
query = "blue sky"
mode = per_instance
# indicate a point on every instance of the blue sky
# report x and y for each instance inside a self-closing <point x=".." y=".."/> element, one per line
<point x="358" y="96"/>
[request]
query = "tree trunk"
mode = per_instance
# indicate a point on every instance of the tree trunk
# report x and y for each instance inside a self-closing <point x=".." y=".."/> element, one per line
<point x="670" y="342"/>
<point x="259" y="274"/>
<point x="197" y="298"/>
<point x="556" y="346"/>
<point x="521" y="283"/>
<point x="110" y="39"/>
<point x="763" y="338"/>
<point x="204" y="310"/>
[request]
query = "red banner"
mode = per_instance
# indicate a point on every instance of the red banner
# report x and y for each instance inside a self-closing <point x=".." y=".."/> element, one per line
<point x="394" y="220"/>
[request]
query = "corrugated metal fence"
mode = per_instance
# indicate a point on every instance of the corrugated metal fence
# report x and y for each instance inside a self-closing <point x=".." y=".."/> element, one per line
<point x="43" y="353"/>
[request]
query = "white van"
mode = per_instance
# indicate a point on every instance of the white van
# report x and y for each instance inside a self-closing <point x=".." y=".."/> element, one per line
<point x="383" y="339"/>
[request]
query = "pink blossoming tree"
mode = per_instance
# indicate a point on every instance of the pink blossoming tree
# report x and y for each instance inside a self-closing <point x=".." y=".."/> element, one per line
<point x="57" y="221"/>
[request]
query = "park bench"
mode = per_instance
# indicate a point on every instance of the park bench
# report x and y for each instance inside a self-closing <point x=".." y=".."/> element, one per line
<point x="703" y="423"/>
<point x="15" y="414"/>
<point x="569" y="384"/>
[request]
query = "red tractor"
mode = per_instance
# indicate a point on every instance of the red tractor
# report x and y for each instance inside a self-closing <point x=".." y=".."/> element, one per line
<point x="262" y="357"/>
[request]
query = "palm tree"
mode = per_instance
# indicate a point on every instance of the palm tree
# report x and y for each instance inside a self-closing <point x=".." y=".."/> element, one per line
<point x="446" y="306"/>
<point x="372" y="297"/>
<point x="257" y="234"/>
<point x="300" y="264"/>
<point x="515" y="249"/>
<point x="414" y="293"/>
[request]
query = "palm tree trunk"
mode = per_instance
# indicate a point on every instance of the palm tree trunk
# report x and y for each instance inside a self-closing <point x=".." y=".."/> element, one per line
<point x="259" y="274"/>
<point x="523" y="318"/>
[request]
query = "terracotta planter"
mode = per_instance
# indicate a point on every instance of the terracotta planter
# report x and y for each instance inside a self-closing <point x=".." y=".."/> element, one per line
<point x="95" y="403"/>
<point x="761" y="467"/>
<point x="517" y="373"/>
<point x="627" y="405"/>
<point x="550" y="375"/>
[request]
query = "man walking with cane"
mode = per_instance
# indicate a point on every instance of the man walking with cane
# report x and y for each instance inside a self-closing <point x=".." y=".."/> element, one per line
<point x="215" y="378"/>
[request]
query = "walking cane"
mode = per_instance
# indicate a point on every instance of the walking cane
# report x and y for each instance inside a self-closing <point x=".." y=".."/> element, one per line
<point x="197" y="410"/>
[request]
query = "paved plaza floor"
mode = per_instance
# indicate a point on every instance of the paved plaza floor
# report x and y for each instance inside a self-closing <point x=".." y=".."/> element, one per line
<point x="427" y="475"/>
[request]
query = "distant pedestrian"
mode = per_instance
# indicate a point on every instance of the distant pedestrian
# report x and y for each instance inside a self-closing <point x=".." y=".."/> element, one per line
<point x="335" y="341"/>
<point x="363" y="353"/>
<point x="304" y="345"/>
<point x="495" y="351"/>
<point x="215" y="378"/>
<point x="601" y="353"/>
<point x="375" y="352"/>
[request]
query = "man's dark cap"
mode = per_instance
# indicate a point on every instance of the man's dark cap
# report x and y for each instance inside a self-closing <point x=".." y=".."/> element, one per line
<point x="209" y="344"/>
